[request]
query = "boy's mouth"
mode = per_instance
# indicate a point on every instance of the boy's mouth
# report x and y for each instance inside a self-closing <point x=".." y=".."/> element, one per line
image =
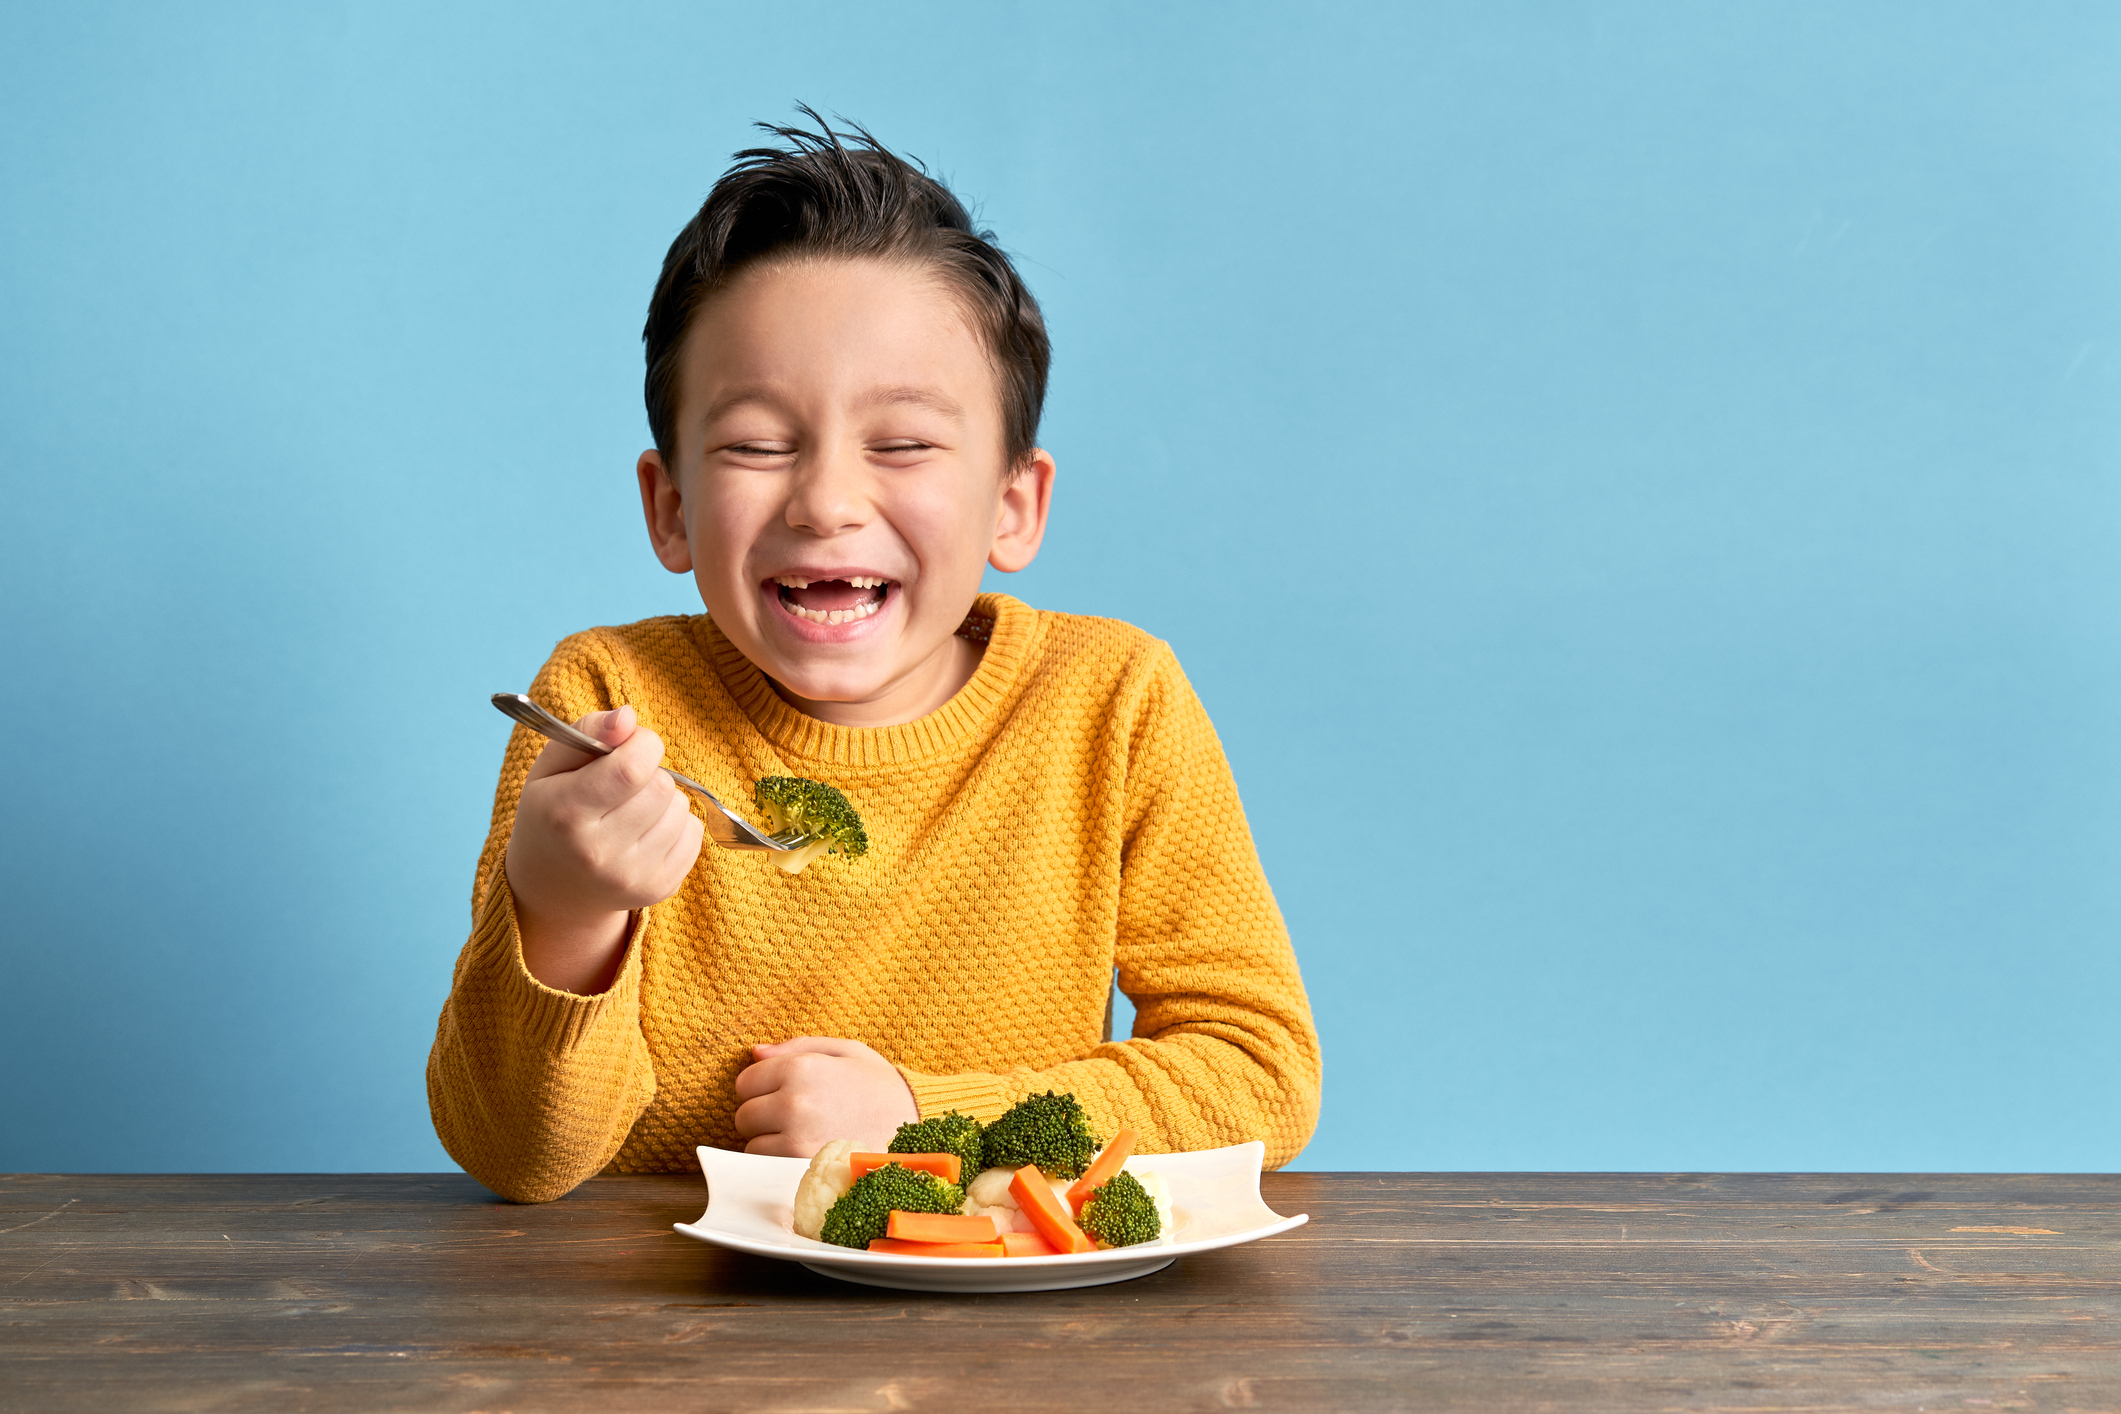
<point x="832" y="601"/>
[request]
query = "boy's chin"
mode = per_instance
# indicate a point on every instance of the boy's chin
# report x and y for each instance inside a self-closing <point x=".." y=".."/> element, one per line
<point x="831" y="662"/>
<point x="863" y="677"/>
<point x="840" y="684"/>
<point x="878" y="664"/>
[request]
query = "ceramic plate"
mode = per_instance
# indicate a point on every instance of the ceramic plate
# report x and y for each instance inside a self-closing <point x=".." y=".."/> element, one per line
<point x="1214" y="1203"/>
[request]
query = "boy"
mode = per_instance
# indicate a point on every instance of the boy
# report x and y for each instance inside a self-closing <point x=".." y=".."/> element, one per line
<point x="844" y="385"/>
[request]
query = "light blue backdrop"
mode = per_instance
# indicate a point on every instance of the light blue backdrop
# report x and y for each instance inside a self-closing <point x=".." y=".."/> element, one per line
<point x="1637" y="485"/>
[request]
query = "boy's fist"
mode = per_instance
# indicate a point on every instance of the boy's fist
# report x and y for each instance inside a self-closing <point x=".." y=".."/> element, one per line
<point x="595" y="837"/>
<point x="800" y="1095"/>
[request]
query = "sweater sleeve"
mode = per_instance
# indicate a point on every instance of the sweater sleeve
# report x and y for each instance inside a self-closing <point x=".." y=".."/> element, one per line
<point x="1224" y="1049"/>
<point x="532" y="1089"/>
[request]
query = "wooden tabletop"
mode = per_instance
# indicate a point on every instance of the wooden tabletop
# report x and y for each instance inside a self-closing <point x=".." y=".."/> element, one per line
<point x="1431" y="1291"/>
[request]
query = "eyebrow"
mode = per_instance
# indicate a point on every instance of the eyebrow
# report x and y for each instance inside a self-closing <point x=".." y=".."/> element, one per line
<point x="735" y="398"/>
<point x="933" y="399"/>
<point x="908" y="395"/>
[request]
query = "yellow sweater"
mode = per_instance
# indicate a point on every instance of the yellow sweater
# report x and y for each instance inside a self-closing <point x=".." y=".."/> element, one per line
<point x="1068" y="812"/>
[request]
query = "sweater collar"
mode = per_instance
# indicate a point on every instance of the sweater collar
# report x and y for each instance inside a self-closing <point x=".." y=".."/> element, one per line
<point x="976" y="705"/>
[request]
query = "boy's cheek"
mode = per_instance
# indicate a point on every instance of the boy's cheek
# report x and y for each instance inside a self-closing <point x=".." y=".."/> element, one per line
<point x="718" y="528"/>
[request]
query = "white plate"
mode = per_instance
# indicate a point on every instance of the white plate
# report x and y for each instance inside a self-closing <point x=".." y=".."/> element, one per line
<point x="1214" y="1203"/>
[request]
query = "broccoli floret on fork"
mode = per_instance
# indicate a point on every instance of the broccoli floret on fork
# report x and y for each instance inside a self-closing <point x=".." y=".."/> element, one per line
<point x="816" y="814"/>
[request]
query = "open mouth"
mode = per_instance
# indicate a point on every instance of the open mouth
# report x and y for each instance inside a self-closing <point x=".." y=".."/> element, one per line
<point x="832" y="601"/>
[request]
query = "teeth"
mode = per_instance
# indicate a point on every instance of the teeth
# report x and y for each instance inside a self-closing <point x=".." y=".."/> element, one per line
<point x="832" y="616"/>
<point x="860" y="581"/>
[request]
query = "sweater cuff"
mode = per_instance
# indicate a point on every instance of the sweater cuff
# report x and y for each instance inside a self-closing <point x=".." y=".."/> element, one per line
<point x="549" y="1018"/>
<point x="981" y="1096"/>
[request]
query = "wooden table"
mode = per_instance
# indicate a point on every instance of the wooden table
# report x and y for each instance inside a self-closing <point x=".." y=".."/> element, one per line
<point x="1430" y="1291"/>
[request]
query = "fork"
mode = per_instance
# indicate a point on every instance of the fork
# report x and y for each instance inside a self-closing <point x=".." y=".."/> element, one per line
<point x="724" y="826"/>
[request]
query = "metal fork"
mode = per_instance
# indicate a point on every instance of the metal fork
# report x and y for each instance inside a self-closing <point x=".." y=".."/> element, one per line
<point x="724" y="826"/>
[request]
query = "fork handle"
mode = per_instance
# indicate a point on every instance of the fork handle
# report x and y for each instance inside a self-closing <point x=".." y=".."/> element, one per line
<point x="531" y="715"/>
<point x="730" y="830"/>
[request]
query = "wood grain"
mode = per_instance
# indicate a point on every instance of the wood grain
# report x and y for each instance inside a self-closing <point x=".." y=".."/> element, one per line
<point x="1429" y="1291"/>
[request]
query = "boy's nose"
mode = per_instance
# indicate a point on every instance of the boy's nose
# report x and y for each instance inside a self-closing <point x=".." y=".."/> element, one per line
<point x="828" y="494"/>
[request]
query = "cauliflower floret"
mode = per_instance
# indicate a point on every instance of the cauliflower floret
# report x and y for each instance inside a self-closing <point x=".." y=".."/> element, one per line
<point x="991" y="1190"/>
<point x="1005" y="1219"/>
<point x="824" y="1183"/>
<point x="988" y="1196"/>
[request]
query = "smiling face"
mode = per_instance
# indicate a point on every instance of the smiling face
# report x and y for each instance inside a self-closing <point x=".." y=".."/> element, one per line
<point x="838" y="483"/>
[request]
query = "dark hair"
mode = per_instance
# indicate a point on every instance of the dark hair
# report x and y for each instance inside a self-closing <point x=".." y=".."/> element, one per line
<point x="845" y="194"/>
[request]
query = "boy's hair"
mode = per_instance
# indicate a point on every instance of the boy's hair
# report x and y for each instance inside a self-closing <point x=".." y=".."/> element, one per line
<point x="823" y="196"/>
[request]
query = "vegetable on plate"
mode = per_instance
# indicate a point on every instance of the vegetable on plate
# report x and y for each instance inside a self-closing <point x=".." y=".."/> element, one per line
<point x="947" y="1167"/>
<point x="1034" y="1183"/>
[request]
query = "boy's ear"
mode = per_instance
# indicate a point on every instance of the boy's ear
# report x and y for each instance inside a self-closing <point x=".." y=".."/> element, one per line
<point x="1020" y="521"/>
<point x="665" y="513"/>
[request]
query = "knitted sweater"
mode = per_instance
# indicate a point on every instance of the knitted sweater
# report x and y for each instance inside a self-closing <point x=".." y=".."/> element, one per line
<point x="1069" y="811"/>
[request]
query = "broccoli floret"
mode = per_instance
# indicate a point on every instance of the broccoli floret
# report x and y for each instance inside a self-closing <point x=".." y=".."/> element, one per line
<point x="864" y="1211"/>
<point x="1048" y="1130"/>
<point x="1120" y="1212"/>
<point x="950" y="1133"/>
<point x="816" y="809"/>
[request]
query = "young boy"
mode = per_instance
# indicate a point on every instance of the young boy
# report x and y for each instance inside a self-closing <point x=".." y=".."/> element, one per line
<point x="844" y="385"/>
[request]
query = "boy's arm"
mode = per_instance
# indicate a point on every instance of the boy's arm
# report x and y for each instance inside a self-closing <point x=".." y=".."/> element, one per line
<point x="534" y="1089"/>
<point x="1225" y="1049"/>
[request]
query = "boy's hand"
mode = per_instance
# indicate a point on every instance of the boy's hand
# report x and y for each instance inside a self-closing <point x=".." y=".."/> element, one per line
<point x="800" y="1095"/>
<point x="595" y="838"/>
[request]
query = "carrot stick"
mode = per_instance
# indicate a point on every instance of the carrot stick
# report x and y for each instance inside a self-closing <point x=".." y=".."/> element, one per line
<point x="936" y="1249"/>
<point x="1035" y="1196"/>
<point x="1026" y="1244"/>
<point x="1101" y="1170"/>
<point x="943" y="1166"/>
<point x="940" y="1227"/>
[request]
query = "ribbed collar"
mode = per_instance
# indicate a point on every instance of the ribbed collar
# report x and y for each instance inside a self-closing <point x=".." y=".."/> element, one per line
<point x="977" y="704"/>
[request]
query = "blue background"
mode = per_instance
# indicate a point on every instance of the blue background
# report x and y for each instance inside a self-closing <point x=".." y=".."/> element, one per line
<point x="1636" y="485"/>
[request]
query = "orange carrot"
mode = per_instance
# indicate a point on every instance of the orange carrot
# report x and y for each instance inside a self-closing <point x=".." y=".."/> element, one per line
<point x="936" y="1249"/>
<point x="940" y="1227"/>
<point x="943" y="1166"/>
<point x="1101" y="1169"/>
<point x="1035" y="1196"/>
<point x="1026" y="1244"/>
